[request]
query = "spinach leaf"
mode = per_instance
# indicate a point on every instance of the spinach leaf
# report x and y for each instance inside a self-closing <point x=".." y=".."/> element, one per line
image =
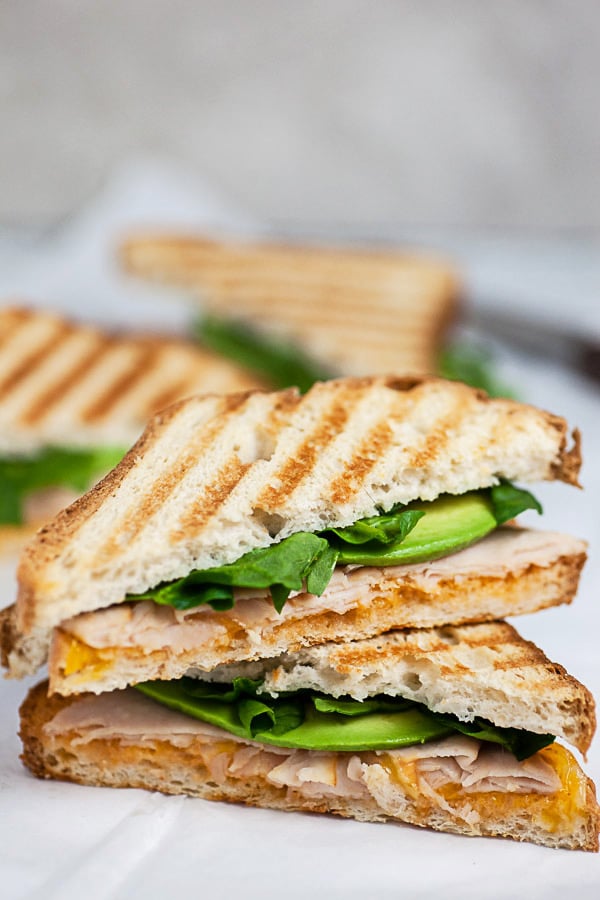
<point x="52" y="467"/>
<point x="300" y="559"/>
<point x="521" y="744"/>
<point x="321" y="571"/>
<point x="473" y="365"/>
<point x="509" y="501"/>
<point x="208" y="690"/>
<point x="281" y="363"/>
<point x="347" y="706"/>
<point x="387" y="528"/>
<point x="282" y="568"/>
<point x="311" y="721"/>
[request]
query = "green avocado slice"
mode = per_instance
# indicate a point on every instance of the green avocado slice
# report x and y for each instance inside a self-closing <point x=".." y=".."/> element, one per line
<point x="377" y="731"/>
<point x="315" y="731"/>
<point x="308" y="720"/>
<point x="451" y="524"/>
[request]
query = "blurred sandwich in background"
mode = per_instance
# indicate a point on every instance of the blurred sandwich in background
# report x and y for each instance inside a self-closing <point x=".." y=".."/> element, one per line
<point x="297" y="314"/>
<point x="73" y="398"/>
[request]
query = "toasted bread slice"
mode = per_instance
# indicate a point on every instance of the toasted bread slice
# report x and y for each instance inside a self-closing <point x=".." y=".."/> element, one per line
<point x="67" y="384"/>
<point x="512" y="571"/>
<point x="214" y="477"/>
<point x="358" y="312"/>
<point x="122" y="739"/>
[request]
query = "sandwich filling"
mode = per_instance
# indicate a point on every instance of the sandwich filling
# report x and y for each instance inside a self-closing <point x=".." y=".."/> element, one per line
<point x="307" y="720"/>
<point x="511" y="571"/>
<point x="417" y="532"/>
<point x="33" y="488"/>
<point x="430" y="773"/>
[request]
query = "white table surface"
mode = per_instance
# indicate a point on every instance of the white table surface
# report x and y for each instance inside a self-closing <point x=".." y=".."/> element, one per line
<point x="63" y="841"/>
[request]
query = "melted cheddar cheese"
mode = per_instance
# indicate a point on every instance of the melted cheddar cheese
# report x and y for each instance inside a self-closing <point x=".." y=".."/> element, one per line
<point x="79" y="656"/>
<point x="552" y="811"/>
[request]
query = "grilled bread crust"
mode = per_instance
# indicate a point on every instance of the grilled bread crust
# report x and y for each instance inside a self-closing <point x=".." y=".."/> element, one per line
<point x="61" y="382"/>
<point x="159" y="766"/>
<point x="360" y="313"/>
<point x="21" y="654"/>
<point x="417" y="596"/>
<point x="486" y="670"/>
<point x="213" y="477"/>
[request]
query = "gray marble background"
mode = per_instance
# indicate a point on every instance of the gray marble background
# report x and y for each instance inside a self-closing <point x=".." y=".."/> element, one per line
<point x="372" y="114"/>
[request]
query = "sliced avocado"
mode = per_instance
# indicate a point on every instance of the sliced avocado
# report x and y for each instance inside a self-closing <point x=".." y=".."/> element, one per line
<point x="317" y="731"/>
<point x="450" y="524"/>
<point x="376" y="731"/>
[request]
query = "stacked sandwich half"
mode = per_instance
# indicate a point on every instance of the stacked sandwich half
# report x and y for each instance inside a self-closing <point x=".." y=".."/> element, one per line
<point x="295" y="602"/>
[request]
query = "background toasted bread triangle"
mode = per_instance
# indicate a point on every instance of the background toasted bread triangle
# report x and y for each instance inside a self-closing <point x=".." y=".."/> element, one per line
<point x="355" y="311"/>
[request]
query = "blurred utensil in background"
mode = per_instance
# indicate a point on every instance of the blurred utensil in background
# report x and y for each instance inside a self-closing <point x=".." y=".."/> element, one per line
<point x="549" y="340"/>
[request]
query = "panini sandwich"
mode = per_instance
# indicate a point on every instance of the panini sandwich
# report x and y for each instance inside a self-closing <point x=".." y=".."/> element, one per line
<point x="237" y="576"/>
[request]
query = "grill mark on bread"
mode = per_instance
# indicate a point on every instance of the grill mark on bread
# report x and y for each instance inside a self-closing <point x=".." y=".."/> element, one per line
<point x="42" y="405"/>
<point x="137" y="516"/>
<point x="364" y="459"/>
<point x="182" y="388"/>
<point x="374" y="445"/>
<point x="143" y="361"/>
<point x="10" y="322"/>
<point x="436" y="441"/>
<point x="258" y="296"/>
<point x="179" y="255"/>
<point x="297" y="468"/>
<point x="86" y="381"/>
<point x="509" y="650"/>
<point x="229" y="476"/>
<point x="35" y="358"/>
<point x="214" y="496"/>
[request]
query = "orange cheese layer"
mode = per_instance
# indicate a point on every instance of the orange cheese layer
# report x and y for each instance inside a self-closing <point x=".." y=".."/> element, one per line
<point x="80" y="656"/>
<point x="552" y="811"/>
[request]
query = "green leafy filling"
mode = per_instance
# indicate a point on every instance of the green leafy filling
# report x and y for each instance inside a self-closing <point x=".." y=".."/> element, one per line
<point x="308" y="560"/>
<point x="509" y="501"/>
<point x="312" y="721"/>
<point x="51" y="467"/>
<point x="284" y="364"/>
<point x="472" y="365"/>
<point x="387" y="528"/>
<point x="281" y="363"/>
<point x="283" y="568"/>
